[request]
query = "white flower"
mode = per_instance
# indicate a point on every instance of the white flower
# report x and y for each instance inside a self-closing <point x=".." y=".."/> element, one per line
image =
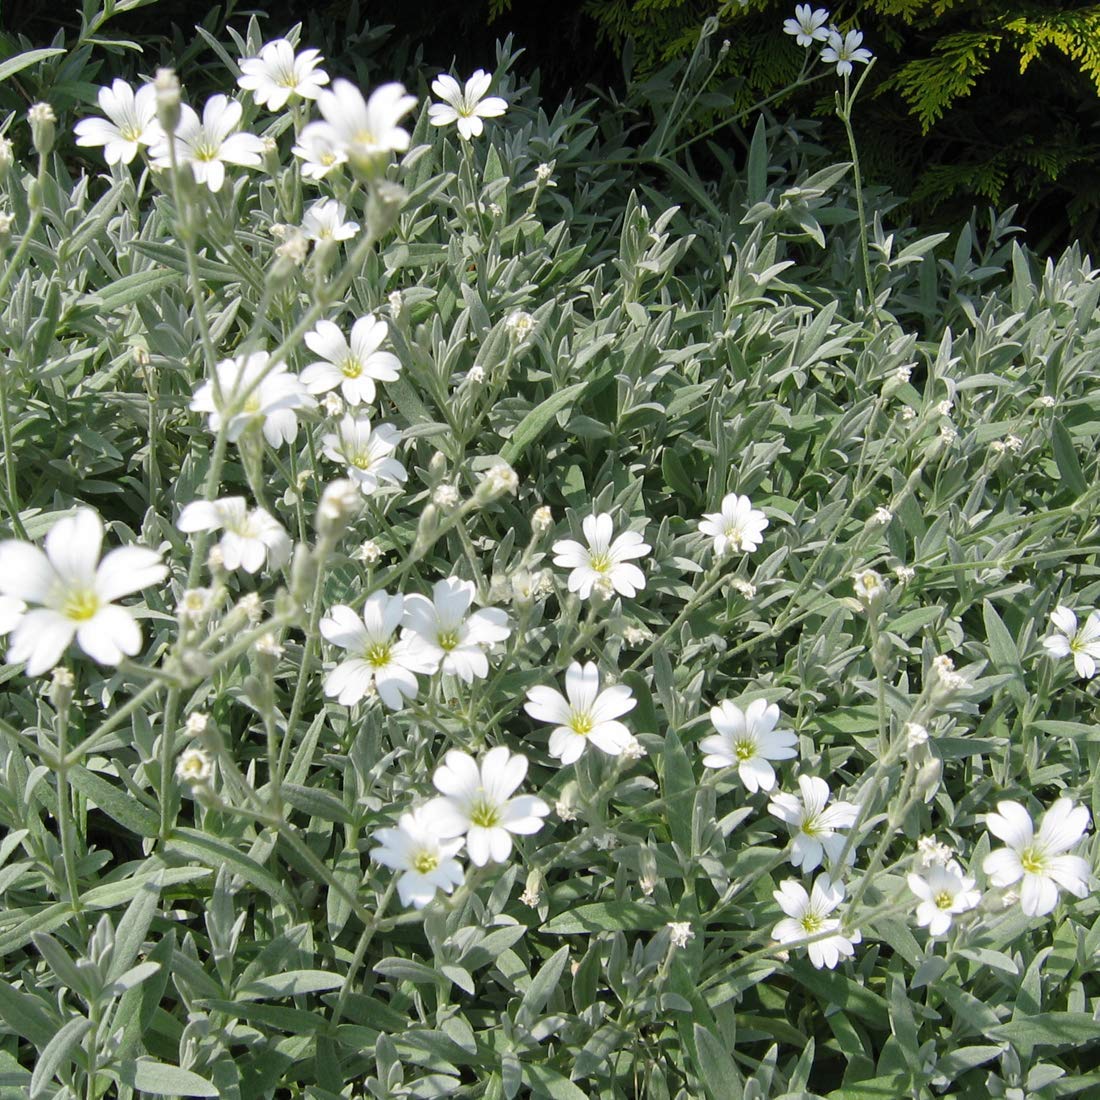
<point x="477" y="803"/>
<point x="680" y="932"/>
<point x="880" y="517"/>
<point x="415" y="848"/>
<point x="75" y="592"/>
<point x="367" y="129"/>
<point x="520" y="325"/>
<point x="133" y="122"/>
<point x="602" y="557"/>
<point x="588" y="714"/>
<point x="379" y="660"/>
<point x="320" y="150"/>
<point x="195" y="766"/>
<point x="943" y="892"/>
<point x="746" y="588"/>
<point x="369" y="552"/>
<point x="271" y="402"/>
<point x="367" y="452"/>
<point x="1083" y="644"/>
<point x="465" y="106"/>
<point x="456" y="641"/>
<point x="738" y="526"/>
<point x="747" y="739"/>
<point x="808" y="915"/>
<point x="843" y="50"/>
<point x="915" y="734"/>
<point x="196" y="724"/>
<point x="808" y="25"/>
<point x="1038" y="860"/>
<point x="325" y="221"/>
<point x="813" y="825"/>
<point x="278" y="73"/>
<point x="250" y="537"/>
<point x="500" y="479"/>
<point x="353" y="365"/>
<point x="542" y="519"/>
<point x="869" y="586"/>
<point x="904" y="573"/>
<point x="930" y="851"/>
<point x="11" y="611"/>
<point x="209" y="144"/>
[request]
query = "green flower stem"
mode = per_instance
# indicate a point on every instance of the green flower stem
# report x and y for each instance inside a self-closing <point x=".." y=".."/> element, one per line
<point x="844" y="113"/>
<point x="65" y="803"/>
<point x="309" y="656"/>
<point x="712" y="580"/>
<point x="11" y="488"/>
<point x="365" y="938"/>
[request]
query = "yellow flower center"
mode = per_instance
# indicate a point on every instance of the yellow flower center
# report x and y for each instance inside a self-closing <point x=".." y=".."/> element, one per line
<point x="327" y="159"/>
<point x="425" y="862"/>
<point x="943" y="899"/>
<point x="378" y="654"/>
<point x="811" y="827"/>
<point x="448" y="640"/>
<point x="1031" y="859"/>
<point x="205" y="151"/>
<point x="744" y="750"/>
<point x="81" y="606"/>
<point x="361" y="460"/>
<point x="812" y="924"/>
<point x="351" y="367"/>
<point x="485" y="814"/>
<point x="130" y="132"/>
<point x="252" y="403"/>
<point x="601" y="563"/>
<point x="581" y="724"/>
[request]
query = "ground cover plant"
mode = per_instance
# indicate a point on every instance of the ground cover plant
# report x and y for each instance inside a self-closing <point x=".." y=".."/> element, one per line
<point x="489" y="612"/>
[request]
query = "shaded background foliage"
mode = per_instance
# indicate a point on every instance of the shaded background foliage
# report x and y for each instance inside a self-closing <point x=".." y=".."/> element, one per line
<point x="949" y="122"/>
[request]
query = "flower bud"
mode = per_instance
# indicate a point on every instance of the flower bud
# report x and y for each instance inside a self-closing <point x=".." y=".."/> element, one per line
<point x="43" y="127"/>
<point x="340" y="502"/>
<point x="384" y="203"/>
<point x="167" y="87"/>
<point x="499" y="480"/>
<point x="7" y="157"/>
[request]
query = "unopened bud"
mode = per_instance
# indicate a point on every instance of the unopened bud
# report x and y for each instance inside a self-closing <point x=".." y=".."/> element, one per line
<point x="167" y="87"/>
<point x="384" y="203"/>
<point x="43" y="127"/>
<point x="340" y="501"/>
<point x="500" y="479"/>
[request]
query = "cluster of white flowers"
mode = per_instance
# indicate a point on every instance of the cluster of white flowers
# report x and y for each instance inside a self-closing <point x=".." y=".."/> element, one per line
<point x="435" y="635"/>
<point x="477" y="808"/>
<point x="810" y="25"/>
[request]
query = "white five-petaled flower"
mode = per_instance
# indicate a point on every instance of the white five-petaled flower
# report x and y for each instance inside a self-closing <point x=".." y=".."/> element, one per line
<point x="747" y="739"/>
<point x="943" y="892"/>
<point x="75" y="594"/>
<point x="278" y="73"/>
<point x="465" y="106"/>
<point x="457" y="641"/>
<point x="378" y="659"/>
<point x="326" y="220"/>
<point x="320" y="150"/>
<point x="583" y="714"/>
<point x="415" y="848"/>
<point x="366" y="129"/>
<point x="367" y="452"/>
<point x="813" y="824"/>
<point x="353" y="365"/>
<point x="808" y="915"/>
<point x="604" y="559"/>
<point x="738" y="526"/>
<point x="477" y="803"/>
<point x="131" y="122"/>
<point x="1038" y="863"/>
<point x="250" y="538"/>
<point x="845" y="49"/>
<point x="273" y="397"/>
<point x="809" y="25"/>
<point x="1083" y="644"/>
<point x="209" y="144"/>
